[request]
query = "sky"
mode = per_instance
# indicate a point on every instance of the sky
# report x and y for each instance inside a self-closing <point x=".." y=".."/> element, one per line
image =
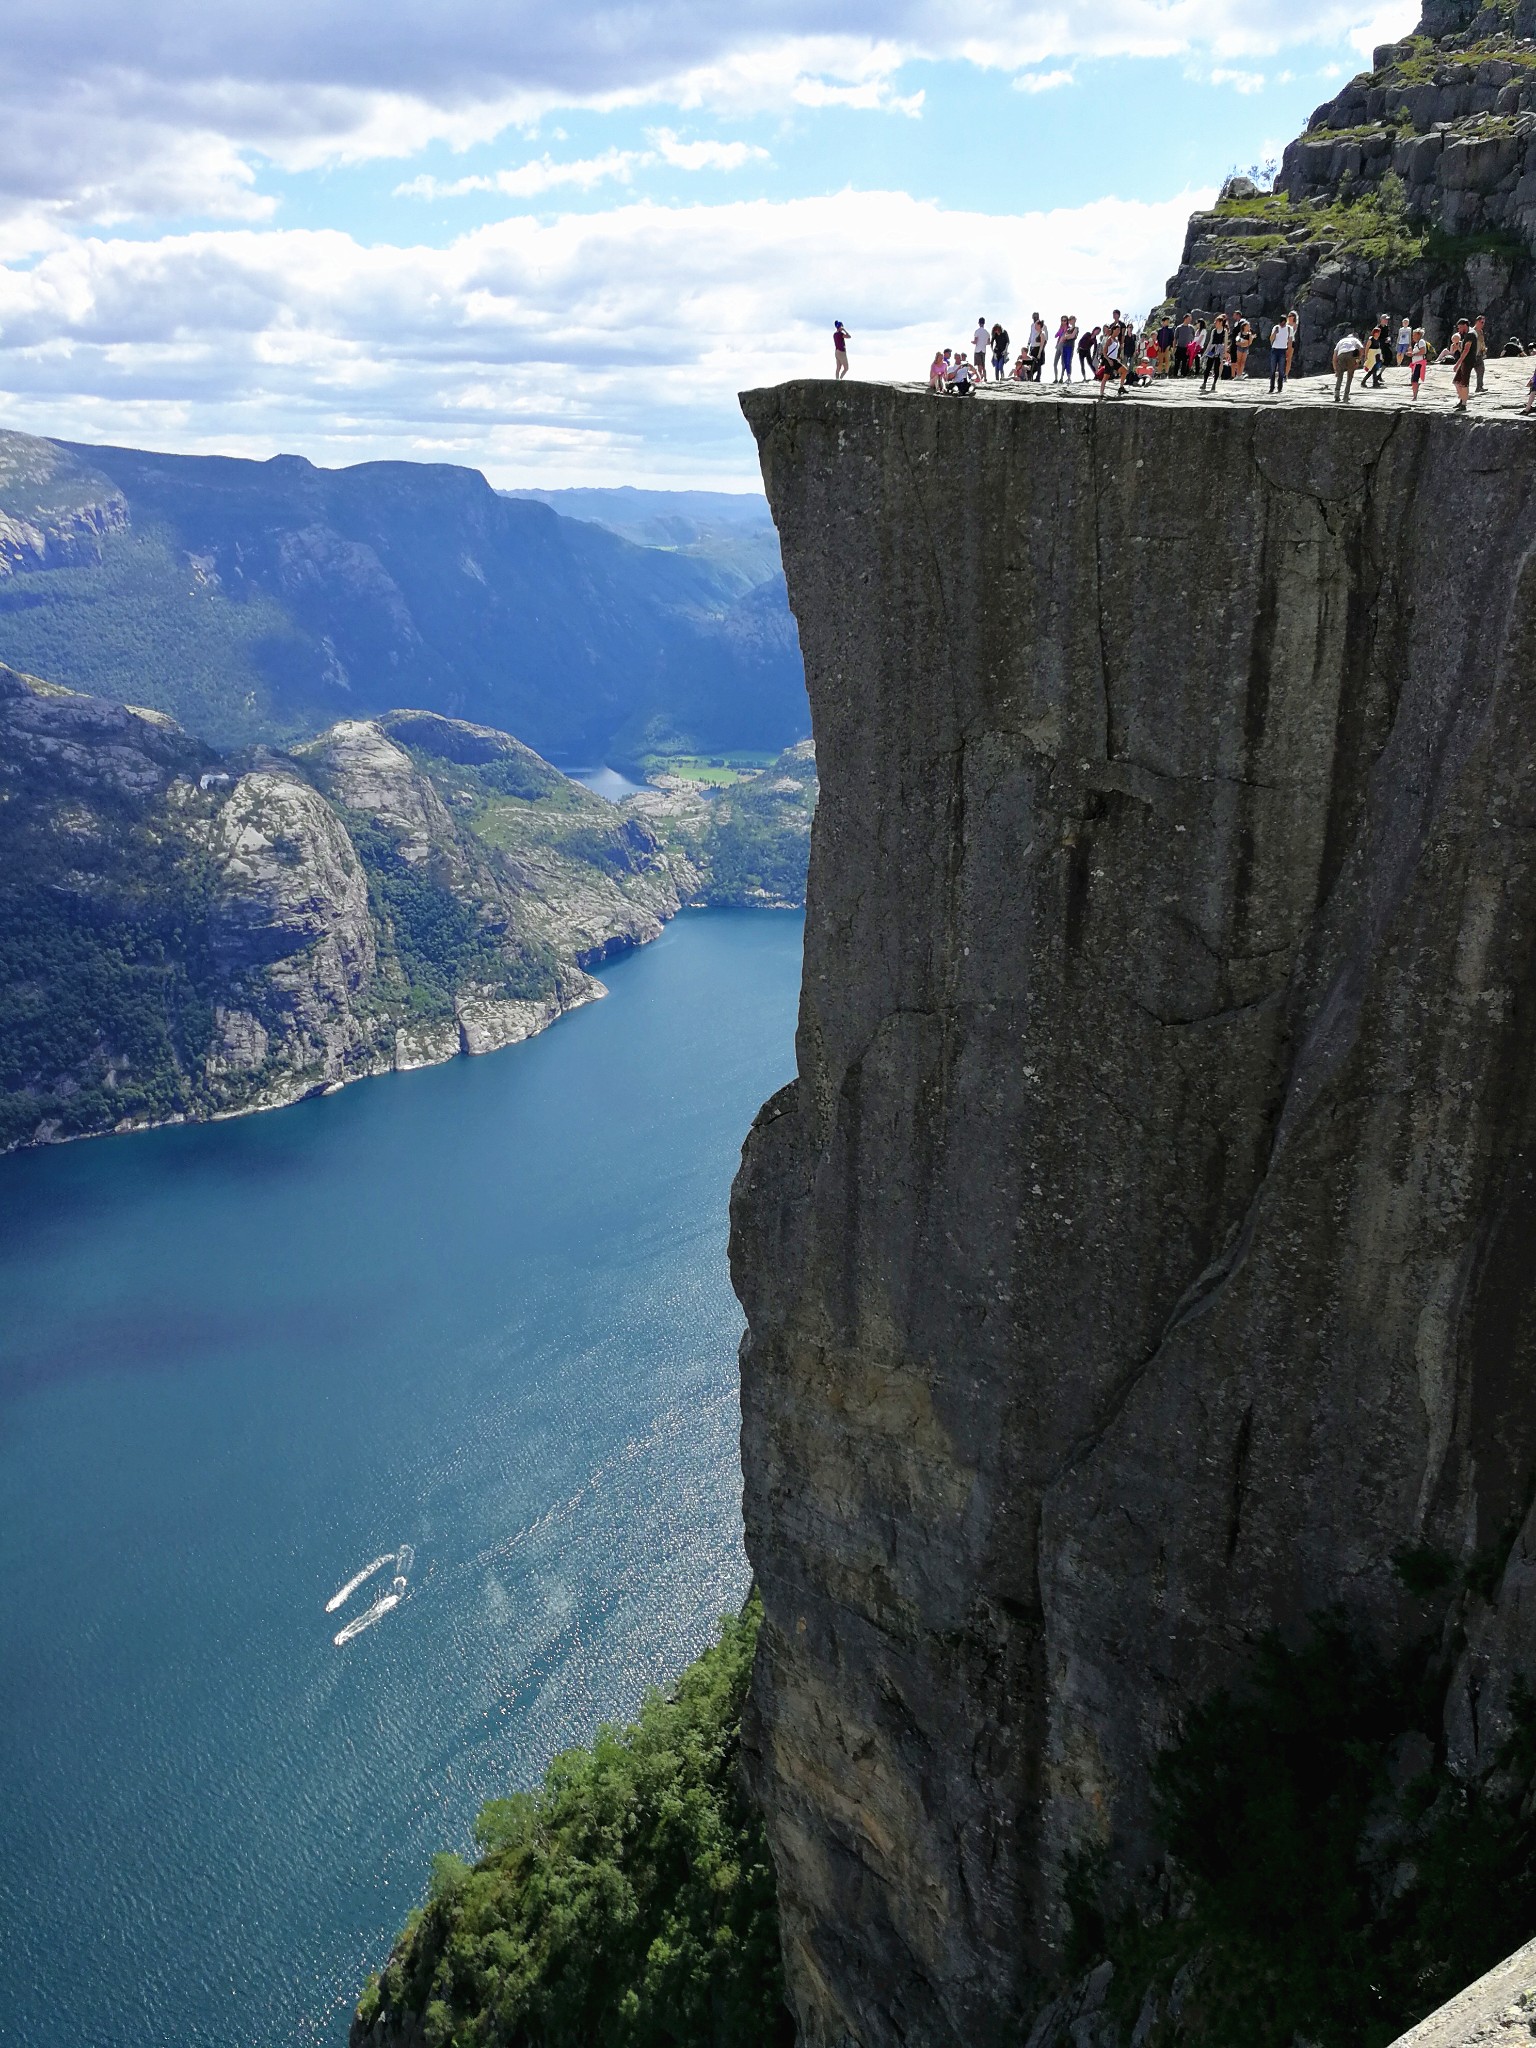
<point x="554" y="241"/>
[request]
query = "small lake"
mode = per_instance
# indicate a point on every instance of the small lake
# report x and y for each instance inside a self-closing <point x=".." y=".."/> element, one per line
<point x="481" y="1310"/>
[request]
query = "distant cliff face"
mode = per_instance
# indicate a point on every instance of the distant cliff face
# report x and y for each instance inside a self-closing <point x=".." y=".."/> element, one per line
<point x="185" y="934"/>
<point x="257" y="600"/>
<point x="1412" y="192"/>
<point x="1142" y="1259"/>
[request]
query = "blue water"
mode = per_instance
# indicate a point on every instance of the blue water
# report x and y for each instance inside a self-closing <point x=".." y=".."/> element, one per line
<point x="606" y="782"/>
<point x="482" y="1309"/>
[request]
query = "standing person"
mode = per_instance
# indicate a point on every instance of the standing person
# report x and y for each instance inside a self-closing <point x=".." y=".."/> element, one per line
<point x="1038" y="337"/>
<point x="1463" y="359"/>
<point x="1088" y="352"/>
<point x="1109" y="356"/>
<point x="999" y="351"/>
<point x="1370" y="356"/>
<point x="1405" y="334"/>
<point x="1183" y="335"/>
<point x="1482" y="350"/>
<point x="1127" y="353"/>
<point x="1164" y="360"/>
<point x="1293" y="323"/>
<point x="840" y="340"/>
<point x="1279" y="356"/>
<point x="1242" y="341"/>
<point x="1348" y="352"/>
<point x="979" y="345"/>
<point x="1215" y="354"/>
<point x="1069" y="343"/>
<point x="1063" y="351"/>
<point x="1418" y="359"/>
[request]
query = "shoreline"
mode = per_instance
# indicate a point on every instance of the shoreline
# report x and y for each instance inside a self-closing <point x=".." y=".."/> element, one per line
<point x="594" y="992"/>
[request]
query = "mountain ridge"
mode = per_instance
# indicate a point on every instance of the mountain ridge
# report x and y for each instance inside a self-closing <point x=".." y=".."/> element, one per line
<point x="262" y="600"/>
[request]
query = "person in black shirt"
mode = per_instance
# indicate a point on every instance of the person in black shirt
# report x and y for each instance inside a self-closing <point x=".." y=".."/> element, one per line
<point x="1463" y="353"/>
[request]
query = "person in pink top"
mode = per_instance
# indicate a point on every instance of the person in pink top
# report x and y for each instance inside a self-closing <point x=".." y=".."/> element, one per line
<point x="840" y="340"/>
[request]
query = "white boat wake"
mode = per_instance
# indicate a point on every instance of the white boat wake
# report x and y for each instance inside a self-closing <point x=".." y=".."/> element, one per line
<point x="402" y="1559"/>
<point x="340" y="1599"/>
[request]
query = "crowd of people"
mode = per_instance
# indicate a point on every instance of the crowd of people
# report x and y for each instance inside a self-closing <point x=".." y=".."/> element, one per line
<point x="1111" y="355"/>
<point x="1116" y="356"/>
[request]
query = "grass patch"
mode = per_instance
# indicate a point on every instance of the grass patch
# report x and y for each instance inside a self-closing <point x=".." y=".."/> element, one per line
<point x="717" y="770"/>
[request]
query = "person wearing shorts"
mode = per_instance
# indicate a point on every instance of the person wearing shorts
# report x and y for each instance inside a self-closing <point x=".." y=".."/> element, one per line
<point x="840" y="340"/>
<point x="1418" y="359"/>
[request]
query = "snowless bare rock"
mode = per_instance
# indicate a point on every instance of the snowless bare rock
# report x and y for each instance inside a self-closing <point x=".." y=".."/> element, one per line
<point x="1142" y="1259"/>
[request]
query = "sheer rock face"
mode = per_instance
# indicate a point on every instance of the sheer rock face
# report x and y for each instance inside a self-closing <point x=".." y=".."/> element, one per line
<point x="1143" y="1255"/>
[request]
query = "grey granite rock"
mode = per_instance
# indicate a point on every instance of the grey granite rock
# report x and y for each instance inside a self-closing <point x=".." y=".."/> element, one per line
<point x="1141" y="1258"/>
<point x="1499" y="2008"/>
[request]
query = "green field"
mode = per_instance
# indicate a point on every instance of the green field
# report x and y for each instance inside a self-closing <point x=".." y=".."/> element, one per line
<point x="719" y="769"/>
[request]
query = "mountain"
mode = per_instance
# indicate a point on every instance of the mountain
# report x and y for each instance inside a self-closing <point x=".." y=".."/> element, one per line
<point x="732" y="531"/>
<point x="260" y="601"/>
<point x="1412" y="191"/>
<point x="186" y="934"/>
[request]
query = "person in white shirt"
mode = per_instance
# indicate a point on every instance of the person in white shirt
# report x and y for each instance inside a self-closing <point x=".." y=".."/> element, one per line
<point x="1279" y="348"/>
<point x="1404" y="341"/>
<point x="1348" y="353"/>
<point x="979" y="344"/>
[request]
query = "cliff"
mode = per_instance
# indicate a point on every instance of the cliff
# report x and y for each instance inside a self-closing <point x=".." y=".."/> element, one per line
<point x="1139" y="1266"/>
<point x="185" y="934"/>
<point x="1412" y="191"/>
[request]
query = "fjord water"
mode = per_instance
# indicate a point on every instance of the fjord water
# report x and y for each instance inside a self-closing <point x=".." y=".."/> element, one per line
<point x="482" y="1309"/>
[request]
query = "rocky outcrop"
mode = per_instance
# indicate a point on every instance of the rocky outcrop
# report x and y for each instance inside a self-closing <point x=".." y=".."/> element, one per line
<point x="1140" y="1261"/>
<point x="747" y="844"/>
<point x="54" y="509"/>
<point x="1412" y="192"/>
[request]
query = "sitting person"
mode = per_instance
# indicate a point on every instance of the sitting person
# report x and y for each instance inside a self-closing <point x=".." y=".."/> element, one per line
<point x="938" y="370"/>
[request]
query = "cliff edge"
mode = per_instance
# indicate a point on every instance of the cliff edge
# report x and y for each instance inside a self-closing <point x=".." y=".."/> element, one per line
<point x="1141" y="1263"/>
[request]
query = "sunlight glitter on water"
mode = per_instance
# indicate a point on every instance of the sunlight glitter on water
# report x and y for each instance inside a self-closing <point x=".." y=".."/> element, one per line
<point x="481" y="1310"/>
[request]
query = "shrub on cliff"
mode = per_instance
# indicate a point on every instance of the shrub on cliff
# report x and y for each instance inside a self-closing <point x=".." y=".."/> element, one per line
<point x="629" y="1903"/>
<point x="1337" y="1880"/>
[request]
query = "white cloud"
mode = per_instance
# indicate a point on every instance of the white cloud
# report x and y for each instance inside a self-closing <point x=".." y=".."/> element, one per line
<point x="106" y="110"/>
<point x="1042" y="81"/>
<point x="546" y="175"/>
<point x="527" y="180"/>
<point x="1240" y="81"/>
<point x="704" y="156"/>
<point x="591" y="347"/>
